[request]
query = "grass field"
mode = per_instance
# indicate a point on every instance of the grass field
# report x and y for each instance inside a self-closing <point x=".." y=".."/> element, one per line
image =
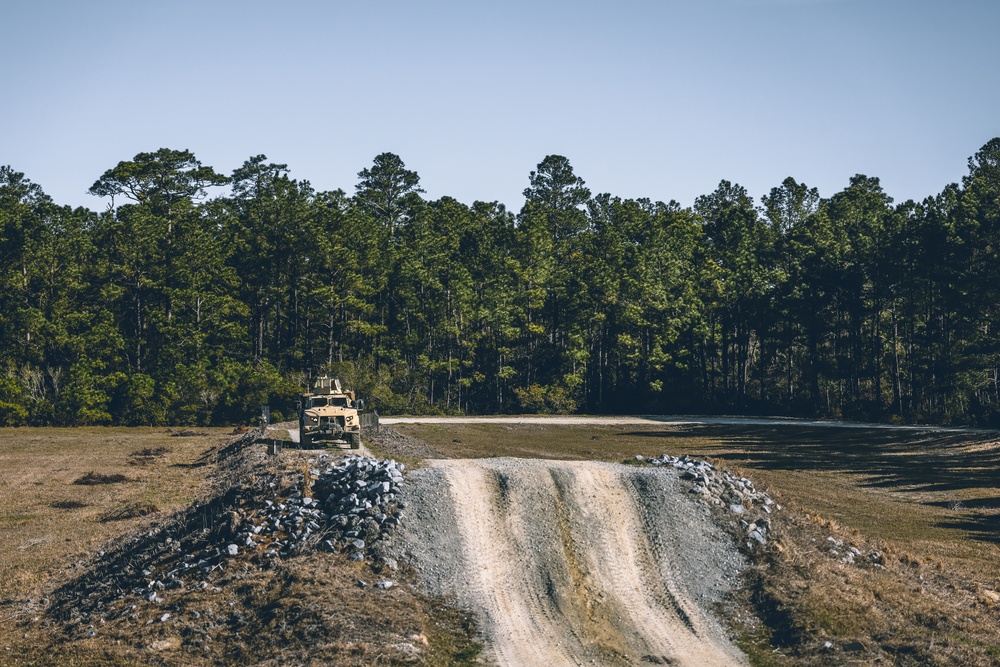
<point x="926" y="501"/>
<point x="48" y="522"/>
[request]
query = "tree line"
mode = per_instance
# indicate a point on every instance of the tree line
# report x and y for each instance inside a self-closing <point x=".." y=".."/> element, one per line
<point x="195" y="297"/>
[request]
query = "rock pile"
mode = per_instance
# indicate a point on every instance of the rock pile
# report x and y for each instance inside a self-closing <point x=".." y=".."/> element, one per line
<point x="850" y="554"/>
<point x="345" y="506"/>
<point x="260" y="515"/>
<point x="339" y="506"/>
<point x="360" y="494"/>
<point x="722" y="489"/>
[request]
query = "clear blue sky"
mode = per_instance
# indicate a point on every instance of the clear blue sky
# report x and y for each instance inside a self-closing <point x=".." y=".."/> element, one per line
<point x="646" y="99"/>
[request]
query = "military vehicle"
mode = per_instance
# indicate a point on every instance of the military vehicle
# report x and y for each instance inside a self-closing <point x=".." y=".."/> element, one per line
<point x="329" y="415"/>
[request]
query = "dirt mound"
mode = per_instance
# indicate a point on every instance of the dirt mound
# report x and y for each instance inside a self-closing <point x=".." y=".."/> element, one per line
<point x="94" y="478"/>
<point x="575" y="562"/>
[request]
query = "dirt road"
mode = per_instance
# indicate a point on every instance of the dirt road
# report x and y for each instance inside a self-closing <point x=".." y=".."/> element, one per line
<point x="648" y="420"/>
<point x="574" y="563"/>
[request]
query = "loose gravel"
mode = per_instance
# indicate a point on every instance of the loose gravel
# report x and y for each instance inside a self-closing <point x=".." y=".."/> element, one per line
<point x="573" y="562"/>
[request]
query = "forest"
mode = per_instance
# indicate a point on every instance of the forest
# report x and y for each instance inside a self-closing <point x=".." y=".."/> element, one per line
<point x="194" y="297"/>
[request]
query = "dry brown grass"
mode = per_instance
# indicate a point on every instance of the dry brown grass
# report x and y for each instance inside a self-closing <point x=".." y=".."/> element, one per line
<point x="147" y="455"/>
<point x="307" y="611"/>
<point x="892" y="606"/>
<point x="67" y="504"/>
<point x="61" y="543"/>
<point x="130" y="511"/>
<point x="928" y="501"/>
<point x="39" y="537"/>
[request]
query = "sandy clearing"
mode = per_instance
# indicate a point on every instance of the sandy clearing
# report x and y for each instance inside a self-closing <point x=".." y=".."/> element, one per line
<point x="559" y="560"/>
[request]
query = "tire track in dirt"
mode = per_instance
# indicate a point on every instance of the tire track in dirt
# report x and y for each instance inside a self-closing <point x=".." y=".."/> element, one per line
<point x="518" y="621"/>
<point x="556" y="558"/>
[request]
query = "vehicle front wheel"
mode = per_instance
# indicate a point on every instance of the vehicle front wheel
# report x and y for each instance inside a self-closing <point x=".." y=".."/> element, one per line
<point x="354" y="440"/>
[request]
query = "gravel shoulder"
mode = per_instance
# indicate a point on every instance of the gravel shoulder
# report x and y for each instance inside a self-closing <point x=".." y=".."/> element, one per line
<point x="571" y="563"/>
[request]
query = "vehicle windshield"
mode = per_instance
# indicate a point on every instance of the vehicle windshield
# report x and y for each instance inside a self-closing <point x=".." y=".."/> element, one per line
<point x="323" y="401"/>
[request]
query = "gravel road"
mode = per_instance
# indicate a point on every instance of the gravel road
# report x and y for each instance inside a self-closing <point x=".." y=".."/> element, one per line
<point x="574" y="563"/>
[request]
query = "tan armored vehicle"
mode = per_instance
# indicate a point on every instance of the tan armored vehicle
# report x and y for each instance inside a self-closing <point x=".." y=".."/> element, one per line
<point x="329" y="416"/>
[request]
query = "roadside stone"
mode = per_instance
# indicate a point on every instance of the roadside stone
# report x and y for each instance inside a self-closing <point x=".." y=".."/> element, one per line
<point x="722" y="489"/>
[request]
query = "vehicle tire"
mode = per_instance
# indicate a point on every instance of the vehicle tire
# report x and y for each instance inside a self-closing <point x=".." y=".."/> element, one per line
<point x="354" y="440"/>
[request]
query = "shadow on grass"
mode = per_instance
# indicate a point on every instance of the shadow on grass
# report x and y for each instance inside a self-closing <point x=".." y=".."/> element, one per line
<point x="214" y="454"/>
<point x="904" y="460"/>
<point x="990" y="503"/>
<point x="983" y="527"/>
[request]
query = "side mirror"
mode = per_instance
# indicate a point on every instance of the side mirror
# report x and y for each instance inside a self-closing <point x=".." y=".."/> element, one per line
<point x="361" y="404"/>
<point x="298" y="406"/>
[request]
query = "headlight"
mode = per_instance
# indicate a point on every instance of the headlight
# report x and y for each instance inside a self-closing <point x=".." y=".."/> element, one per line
<point x="350" y="418"/>
<point x="314" y="419"/>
